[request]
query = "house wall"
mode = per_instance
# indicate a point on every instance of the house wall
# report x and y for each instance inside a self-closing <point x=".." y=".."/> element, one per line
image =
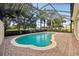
<point x="76" y="29"/>
<point x="75" y="19"/>
<point x="1" y="32"/>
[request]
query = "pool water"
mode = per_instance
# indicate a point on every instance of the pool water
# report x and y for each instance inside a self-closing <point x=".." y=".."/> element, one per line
<point x="39" y="39"/>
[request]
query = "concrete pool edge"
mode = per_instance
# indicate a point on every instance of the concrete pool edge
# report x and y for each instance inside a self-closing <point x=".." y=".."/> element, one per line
<point x="13" y="42"/>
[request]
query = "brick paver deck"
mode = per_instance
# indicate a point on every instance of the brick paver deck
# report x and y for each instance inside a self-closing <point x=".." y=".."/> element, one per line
<point x="67" y="45"/>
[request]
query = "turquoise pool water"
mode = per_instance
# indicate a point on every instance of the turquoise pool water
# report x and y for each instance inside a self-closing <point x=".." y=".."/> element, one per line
<point x="39" y="39"/>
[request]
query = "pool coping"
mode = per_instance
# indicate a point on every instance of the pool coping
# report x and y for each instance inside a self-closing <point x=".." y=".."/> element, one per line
<point x="13" y="42"/>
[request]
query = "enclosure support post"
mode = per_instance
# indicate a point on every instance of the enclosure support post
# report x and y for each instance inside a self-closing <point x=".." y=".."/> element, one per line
<point x="71" y="26"/>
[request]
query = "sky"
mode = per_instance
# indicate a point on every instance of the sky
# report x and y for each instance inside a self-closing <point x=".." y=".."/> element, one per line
<point x="58" y="7"/>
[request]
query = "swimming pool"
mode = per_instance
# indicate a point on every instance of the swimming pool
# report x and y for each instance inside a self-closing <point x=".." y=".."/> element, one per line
<point x="38" y="41"/>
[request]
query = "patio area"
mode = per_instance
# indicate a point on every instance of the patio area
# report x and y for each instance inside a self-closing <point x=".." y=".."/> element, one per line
<point x="67" y="45"/>
<point x="39" y="18"/>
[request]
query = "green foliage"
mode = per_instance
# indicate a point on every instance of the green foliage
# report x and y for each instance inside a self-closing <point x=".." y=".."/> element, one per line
<point x="21" y="11"/>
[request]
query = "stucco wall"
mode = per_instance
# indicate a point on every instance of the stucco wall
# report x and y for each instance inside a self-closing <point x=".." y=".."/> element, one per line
<point x="77" y="26"/>
<point x="75" y="19"/>
<point x="78" y="30"/>
<point x="75" y="11"/>
<point x="1" y="32"/>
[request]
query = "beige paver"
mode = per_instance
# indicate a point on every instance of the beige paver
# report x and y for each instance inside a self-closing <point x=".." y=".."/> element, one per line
<point x="67" y="45"/>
